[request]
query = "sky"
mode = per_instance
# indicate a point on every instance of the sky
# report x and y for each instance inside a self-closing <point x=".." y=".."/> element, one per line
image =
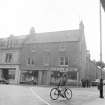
<point x="18" y="16"/>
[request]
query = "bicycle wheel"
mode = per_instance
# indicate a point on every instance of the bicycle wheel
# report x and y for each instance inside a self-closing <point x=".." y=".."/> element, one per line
<point x="54" y="94"/>
<point x="68" y="93"/>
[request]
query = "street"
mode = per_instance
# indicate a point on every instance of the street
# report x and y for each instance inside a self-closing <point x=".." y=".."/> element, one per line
<point x="35" y="95"/>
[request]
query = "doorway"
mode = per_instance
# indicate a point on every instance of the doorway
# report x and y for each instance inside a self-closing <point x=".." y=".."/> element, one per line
<point x="5" y="74"/>
<point x="44" y="78"/>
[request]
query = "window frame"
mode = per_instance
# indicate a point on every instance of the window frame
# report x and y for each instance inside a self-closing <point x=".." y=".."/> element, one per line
<point x="63" y="60"/>
<point x="46" y="60"/>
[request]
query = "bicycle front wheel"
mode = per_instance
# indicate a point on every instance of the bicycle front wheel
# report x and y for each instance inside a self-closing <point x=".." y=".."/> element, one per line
<point x="68" y="94"/>
<point x="54" y="94"/>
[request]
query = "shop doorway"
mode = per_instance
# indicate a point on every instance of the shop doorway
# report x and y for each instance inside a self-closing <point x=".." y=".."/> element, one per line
<point x="5" y="74"/>
<point x="44" y="78"/>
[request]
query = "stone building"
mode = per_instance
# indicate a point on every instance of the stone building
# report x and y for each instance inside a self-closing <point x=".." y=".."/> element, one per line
<point x="10" y="49"/>
<point x="43" y="57"/>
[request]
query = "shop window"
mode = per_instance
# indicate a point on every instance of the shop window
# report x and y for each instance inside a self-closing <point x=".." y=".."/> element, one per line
<point x="12" y="74"/>
<point x="26" y="75"/>
<point x="29" y="77"/>
<point x="55" y="77"/>
<point x="72" y="75"/>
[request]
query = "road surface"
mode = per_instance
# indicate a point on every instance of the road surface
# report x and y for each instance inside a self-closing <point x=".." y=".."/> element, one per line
<point x="34" y="95"/>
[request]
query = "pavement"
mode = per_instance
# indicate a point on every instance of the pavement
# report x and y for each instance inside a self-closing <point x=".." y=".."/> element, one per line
<point x="97" y="102"/>
<point x="38" y="95"/>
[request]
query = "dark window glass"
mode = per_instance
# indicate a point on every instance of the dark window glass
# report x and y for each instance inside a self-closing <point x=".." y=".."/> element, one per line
<point x="66" y="61"/>
<point x="8" y="58"/>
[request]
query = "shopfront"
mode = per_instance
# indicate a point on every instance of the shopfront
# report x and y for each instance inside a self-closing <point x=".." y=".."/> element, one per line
<point x="46" y="76"/>
<point x="29" y="77"/>
<point x="58" y="73"/>
<point x="9" y="73"/>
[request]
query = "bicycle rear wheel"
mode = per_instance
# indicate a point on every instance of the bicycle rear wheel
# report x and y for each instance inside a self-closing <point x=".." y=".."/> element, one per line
<point x="54" y="94"/>
<point x="68" y="93"/>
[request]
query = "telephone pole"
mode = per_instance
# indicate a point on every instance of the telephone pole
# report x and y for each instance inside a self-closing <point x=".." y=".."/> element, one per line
<point x="101" y="79"/>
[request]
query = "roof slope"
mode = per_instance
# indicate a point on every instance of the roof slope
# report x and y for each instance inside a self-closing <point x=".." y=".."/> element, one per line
<point x="58" y="36"/>
<point x="15" y="40"/>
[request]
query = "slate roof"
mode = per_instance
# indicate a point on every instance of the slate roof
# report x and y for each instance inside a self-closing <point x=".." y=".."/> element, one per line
<point x="19" y="39"/>
<point x="58" y="36"/>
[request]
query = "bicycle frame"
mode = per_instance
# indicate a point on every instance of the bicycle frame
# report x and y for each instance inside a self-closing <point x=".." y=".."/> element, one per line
<point x="60" y="90"/>
<point x="59" y="84"/>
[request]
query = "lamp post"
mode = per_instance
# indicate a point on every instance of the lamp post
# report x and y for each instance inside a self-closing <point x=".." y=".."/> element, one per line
<point x="101" y="79"/>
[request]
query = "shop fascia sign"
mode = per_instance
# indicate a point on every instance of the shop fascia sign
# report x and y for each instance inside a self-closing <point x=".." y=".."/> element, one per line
<point x="63" y="69"/>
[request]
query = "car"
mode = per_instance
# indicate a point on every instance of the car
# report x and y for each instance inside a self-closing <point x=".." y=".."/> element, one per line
<point x="3" y="81"/>
<point x="95" y="83"/>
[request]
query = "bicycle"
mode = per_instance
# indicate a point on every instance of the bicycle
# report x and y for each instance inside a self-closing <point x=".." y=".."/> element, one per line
<point x="57" y="92"/>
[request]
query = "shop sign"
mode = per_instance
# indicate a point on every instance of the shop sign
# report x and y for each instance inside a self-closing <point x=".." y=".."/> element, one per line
<point x="62" y="69"/>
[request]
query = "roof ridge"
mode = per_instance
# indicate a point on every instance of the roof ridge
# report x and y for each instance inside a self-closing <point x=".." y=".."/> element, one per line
<point x="57" y="31"/>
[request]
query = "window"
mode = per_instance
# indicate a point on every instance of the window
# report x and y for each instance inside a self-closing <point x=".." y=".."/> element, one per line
<point x="46" y="60"/>
<point x="30" y="61"/>
<point x="66" y="61"/>
<point x="63" y="61"/>
<point x="72" y="75"/>
<point x="62" y="48"/>
<point x="2" y="43"/>
<point x="12" y="74"/>
<point x="9" y="57"/>
<point x="9" y="43"/>
<point x="47" y="50"/>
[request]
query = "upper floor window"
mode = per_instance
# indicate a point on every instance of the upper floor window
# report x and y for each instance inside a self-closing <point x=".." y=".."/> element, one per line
<point x="47" y="50"/>
<point x="2" y="43"/>
<point x="46" y="60"/>
<point x="63" y="61"/>
<point x="62" y="48"/>
<point x="9" y="57"/>
<point x="30" y="61"/>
